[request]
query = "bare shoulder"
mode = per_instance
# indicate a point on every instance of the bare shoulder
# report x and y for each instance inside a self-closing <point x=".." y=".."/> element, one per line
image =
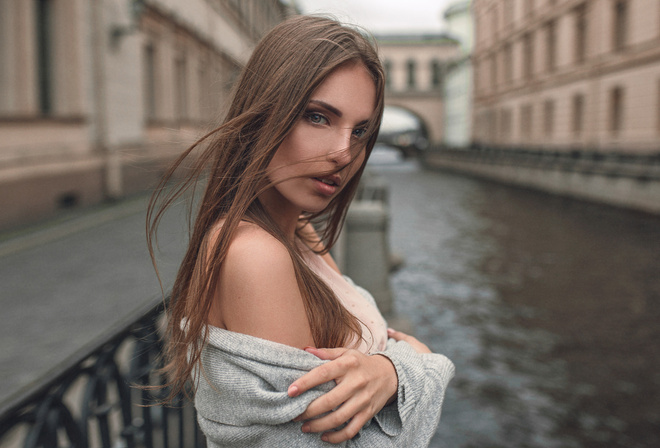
<point x="250" y="239"/>
<point x="258" y="292"/>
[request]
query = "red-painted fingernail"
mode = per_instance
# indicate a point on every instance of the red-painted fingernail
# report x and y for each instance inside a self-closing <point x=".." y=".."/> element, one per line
<point x="305" y="428"/>
<point x="310" y="349"/>
<point x="324" y="438"/>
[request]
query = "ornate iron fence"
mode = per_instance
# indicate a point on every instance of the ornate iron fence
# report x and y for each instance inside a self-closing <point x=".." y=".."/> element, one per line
<point x="97" y="398"/>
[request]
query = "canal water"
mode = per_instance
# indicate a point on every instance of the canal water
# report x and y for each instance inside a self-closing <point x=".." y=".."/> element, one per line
<point x="549" y="308"/>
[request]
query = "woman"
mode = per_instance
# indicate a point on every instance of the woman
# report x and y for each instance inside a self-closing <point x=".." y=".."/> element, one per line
<point x="282" y="350"/>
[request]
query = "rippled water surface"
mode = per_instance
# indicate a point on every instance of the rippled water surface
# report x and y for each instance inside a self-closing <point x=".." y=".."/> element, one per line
<point x="550" y="309"/>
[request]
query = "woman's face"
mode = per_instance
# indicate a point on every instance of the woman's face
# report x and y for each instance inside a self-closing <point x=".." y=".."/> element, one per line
<point x="325" y="147"/>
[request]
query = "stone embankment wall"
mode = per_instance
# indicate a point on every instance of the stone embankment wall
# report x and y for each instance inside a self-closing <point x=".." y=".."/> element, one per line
<point x="623" y="180"/>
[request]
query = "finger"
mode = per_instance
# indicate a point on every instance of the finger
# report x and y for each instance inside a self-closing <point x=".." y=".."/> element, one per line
<point x="336" y="418"/>
<point x="419" y="347"/>
<point x="397" y="335"/>
<point x="347" y="432"/>
<point x="326" y="353"/>
<point x="317" y="376"/>
<point x="327" y="402"/>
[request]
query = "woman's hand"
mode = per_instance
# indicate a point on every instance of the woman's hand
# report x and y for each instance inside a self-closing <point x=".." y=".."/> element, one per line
<point x="399" y="336"/>
<point x="365" y="384"/>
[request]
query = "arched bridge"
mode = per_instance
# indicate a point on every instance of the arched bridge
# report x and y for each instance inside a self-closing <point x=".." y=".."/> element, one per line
<point x="414" y="69"/>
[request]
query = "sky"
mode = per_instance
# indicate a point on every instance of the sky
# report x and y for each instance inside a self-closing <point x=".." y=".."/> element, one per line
<point x="384" y="16"/>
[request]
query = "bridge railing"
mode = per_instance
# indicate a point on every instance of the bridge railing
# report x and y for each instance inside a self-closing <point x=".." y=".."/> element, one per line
<point x="96" y="398"/>
<point x="643" y="167"/>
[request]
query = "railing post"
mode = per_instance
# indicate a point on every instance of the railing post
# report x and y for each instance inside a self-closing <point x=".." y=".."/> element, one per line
<point x="366" y="250"/>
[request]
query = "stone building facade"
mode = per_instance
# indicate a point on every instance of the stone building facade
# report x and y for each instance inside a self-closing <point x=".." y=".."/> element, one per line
<point x="567" y="98"/>
<point x="567" y="74"/>
<point x="97" y="96"/>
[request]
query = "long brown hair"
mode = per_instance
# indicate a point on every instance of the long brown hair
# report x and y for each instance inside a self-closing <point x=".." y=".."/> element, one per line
<point x="272" y="93"/>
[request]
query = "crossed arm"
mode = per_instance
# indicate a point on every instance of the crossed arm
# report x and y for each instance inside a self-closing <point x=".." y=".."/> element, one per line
<point x="365" y="384"/>
<point x="258" y="295"/>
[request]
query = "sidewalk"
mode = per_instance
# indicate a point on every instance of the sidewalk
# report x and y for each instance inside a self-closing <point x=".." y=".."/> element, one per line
<point x="67" y="282"/>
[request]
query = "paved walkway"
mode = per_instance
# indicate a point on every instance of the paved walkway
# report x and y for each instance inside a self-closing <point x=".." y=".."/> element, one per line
<point x="67" y="282"/>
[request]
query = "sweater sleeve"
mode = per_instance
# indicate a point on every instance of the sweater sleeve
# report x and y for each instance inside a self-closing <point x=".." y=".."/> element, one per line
<point x="423" y="380"/>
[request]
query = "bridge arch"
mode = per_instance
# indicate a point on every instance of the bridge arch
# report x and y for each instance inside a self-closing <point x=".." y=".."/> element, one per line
<point x="426" y="109"/>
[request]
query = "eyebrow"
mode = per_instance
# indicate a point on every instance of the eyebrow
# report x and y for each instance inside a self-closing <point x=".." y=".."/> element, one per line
<point x="334" y="110"/>
<point x="331" y="108"/>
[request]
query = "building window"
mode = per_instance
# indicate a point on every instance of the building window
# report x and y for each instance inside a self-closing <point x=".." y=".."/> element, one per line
<point x="6" y="66"/>
<point x="219" y="83"/>
<point x="204" y="88"/>
<point x="495" y="22"/>
<point x="578" y="114"/>
<point x="493" y="72"/>
<point x="549" y="117"/>
<point x="478" y="31"/>
<point x="387" y="67"/>
<point x="477" y="76"/>
<point x="150" y="82"/>
<point x="505" y="125"/>
<point x="436" y="75"/>
<point x="616" y="110"/>
<point x="526" y="121"/>
<point x="657" y="107"/>
<point x="491" y="125"/>
<point x="508" y="63"/>
<point x="581" y="33"/>
<point x="528" y="55"/>
<point x="44" y="41"/>
<point x="180" y="88"/>
<point x="410" y="66"/>
<point x="620" y="24"/>
<point x="551" y="50"/>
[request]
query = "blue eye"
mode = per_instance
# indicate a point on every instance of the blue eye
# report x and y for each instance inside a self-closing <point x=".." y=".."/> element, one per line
<point x="316" y="118"/>
<point x="359" y="133"/>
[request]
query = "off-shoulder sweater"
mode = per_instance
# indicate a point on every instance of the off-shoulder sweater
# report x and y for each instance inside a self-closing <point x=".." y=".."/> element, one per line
<point x="242" y="399"/>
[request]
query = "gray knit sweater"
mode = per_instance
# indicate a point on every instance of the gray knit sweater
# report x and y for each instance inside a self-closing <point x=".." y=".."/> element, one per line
<point x="242" y="399"/>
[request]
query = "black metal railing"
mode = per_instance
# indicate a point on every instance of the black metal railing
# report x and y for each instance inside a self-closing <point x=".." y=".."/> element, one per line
<point x="98" y="397"/>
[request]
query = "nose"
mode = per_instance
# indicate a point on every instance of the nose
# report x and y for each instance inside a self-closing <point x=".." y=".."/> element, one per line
<point x="340" y="153"/>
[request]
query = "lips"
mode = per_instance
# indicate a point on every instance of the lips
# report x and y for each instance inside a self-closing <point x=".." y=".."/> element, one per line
<point x="328" y="185"/>
<point x="332" y="180"/>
